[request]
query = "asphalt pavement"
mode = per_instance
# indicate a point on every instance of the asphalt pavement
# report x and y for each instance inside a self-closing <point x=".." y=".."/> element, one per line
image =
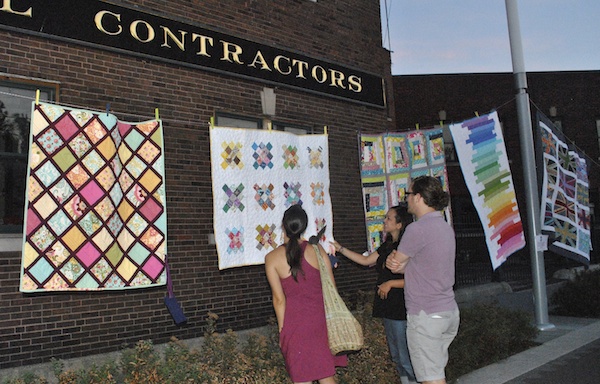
<point x="580" y="366"/>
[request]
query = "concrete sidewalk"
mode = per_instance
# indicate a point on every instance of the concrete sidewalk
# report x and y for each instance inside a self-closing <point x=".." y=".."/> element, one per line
<point x="568" y="337"/>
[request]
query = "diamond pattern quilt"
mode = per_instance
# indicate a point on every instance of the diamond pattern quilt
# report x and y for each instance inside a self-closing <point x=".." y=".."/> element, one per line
<point x="95" y="215"/>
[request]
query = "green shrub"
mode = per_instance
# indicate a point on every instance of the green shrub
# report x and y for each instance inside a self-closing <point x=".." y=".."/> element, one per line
<point x="140" y="364"/>
<point x="27" y="378"/>
<point x="578" y="298"/>
<point x="224" y="358"/>
<point x="487" y="334"/>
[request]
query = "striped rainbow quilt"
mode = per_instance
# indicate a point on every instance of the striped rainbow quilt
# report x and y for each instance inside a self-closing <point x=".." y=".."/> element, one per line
<point x="481" y="151"/>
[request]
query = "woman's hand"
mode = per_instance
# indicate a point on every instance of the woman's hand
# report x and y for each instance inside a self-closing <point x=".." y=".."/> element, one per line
<point x="384" y="289"/>
<point x="336" y="245"/>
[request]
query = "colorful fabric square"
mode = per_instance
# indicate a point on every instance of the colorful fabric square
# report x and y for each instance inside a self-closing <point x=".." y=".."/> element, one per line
<point x="482" y="155"/>
<point x="388" y="164"/>
<point x="398" y="185"/>
<point x="234" y="197"/>
<point x="95" y="211"/>
<point x="290" y="156"/>
<point x="435" y="151"/>
<point x="317" y="193"/>
<point x="397" y="154"/>
<point x="292" y="194"/>
<point x="372" y="156"/>
<point x="264" y="196"/>
<point x="236" y="240"/>
<point x="375" y="231"/>
<point x="262" y="155"/>
<point x="320" y="222"/>
<point x="257" y="175"/>
<point x="418" y="149"/>
<point x="565" y="210"/>
<point x="316" y="157"/>
<point x="266" y="237"/>
<point x="231" y="155"/>
<point x="375" y="196"/>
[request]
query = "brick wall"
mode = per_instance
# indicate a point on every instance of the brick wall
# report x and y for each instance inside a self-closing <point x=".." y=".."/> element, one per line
<point x="36" y="327"/>
<point x="420" y="98"/>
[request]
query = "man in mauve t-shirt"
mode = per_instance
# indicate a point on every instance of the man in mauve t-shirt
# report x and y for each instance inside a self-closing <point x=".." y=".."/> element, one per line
<point x="426" y="256"/>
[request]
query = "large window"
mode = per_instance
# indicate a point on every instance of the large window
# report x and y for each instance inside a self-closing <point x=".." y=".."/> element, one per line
<point x="236" y="121"/>
<point x="295" y="129"/>
<point x="16" y="98"/>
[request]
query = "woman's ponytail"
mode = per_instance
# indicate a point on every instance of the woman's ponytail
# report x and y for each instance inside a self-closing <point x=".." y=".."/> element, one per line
<point x="295" y="221"/>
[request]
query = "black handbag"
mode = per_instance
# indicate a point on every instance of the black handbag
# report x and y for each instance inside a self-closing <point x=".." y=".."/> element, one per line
<point x="171" y="302"/>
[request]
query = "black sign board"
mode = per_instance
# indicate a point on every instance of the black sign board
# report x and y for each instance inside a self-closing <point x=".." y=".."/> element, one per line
<point x="98" y="23"/>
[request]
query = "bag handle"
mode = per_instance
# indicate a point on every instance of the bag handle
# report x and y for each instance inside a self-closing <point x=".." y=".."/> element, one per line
<point x="323" y="267"/>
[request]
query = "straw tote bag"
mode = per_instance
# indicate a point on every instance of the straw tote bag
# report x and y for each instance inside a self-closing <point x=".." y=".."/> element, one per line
<point x="343" y="330"/>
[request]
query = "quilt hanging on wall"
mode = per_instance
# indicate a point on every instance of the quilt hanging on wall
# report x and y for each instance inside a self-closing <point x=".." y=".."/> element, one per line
<point x="256" y="176"/>
<point x="95" y="214"/>
<point x="481" y="151"/>
<point x="565" y="202"/>
<point x="389" y="162"/>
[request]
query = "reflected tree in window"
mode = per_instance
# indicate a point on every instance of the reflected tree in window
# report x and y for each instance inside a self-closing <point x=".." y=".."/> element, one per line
<point x="14" y="133"/>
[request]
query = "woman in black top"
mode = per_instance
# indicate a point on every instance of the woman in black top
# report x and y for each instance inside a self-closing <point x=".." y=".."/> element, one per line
<point x="388" y="302"/>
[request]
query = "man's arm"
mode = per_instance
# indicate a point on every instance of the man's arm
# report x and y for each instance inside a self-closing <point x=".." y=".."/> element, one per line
<point x="396" y="262"/>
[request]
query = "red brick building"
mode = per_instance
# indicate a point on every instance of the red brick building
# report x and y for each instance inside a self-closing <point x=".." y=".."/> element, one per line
<point x="193" y="60"/>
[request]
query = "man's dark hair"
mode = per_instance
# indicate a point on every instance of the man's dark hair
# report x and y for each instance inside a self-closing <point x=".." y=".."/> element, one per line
<point x="431" y="191"/>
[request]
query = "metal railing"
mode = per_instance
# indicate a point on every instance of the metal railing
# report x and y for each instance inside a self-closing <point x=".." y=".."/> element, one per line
<point x="473" y="266"/>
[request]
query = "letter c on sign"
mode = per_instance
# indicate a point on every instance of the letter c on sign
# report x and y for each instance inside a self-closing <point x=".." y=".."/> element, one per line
<point x="98" y="21"/>
<point x="277" y="65"/>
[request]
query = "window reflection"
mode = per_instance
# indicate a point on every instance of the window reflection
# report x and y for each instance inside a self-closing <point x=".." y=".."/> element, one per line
<point x="15" y="116"/>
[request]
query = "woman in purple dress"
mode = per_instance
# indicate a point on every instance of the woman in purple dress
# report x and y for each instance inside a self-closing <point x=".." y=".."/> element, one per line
<point x="293" y="273"/>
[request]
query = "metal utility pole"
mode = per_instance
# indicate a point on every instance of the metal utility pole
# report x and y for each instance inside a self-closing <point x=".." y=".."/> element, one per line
<point x="529" y="171"/>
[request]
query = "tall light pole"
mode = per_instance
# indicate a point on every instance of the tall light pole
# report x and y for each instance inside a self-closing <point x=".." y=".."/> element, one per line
<point x="529" y="172"/>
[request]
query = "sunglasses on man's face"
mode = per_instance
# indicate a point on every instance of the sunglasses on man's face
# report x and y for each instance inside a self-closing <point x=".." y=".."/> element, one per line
<point x="408" y="193"/>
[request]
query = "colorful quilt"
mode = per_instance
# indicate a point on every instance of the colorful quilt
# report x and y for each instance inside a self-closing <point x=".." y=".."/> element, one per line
<point x="388" y="163"/>
<point x="482" y="155"/>
<point x="565" y="202"/>
<point x="256" y="176"/>
<point x="95" y="215"/>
